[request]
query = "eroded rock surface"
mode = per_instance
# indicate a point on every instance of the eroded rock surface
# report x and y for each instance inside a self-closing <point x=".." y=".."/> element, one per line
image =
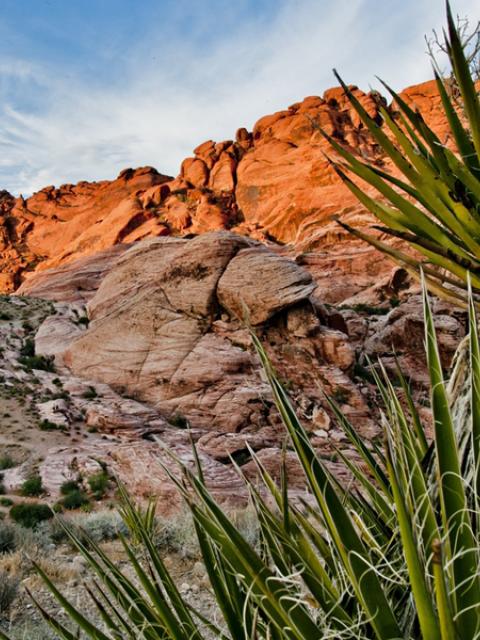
<point x="165" y="326"/>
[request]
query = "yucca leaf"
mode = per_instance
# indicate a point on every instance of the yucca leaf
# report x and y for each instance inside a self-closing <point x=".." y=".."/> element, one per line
<point x="383" y="509"/>
<point x="168" y="622"/>
<point x="412" y="266"/>
<point x="475" y="390"/>
<point x="463" y="553"/>
<point x="464" y="80"/>
<point x="362" y="449"/>
<point x="407" y="214"/>
<point x="447" y="625"/>
<point x="122" y="589"/>
<point x="417" y="424"/>
<point x="106" y="616"/>
<point x="62" y="631"/>
<point x="228" y="596"/>
<point x="265" y="587"/>
<point x="462" y="139"/>
<point x="72" y="611"/>
<point x="382" y="139"/>
<point x="176" y="600"/>
<point x="295" y="545"/>
<point x="349" y="546"/>
<point x="423" y="601"/>
<point x="111" y="608"/>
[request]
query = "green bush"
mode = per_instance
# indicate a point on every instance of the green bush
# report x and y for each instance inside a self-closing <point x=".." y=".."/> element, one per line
<point x="69" y="486"/>
<point x="178" y="420"/>
<point x="98" y="484"/>
<point x="32" y="487"/>
<point x="75" y="500"/>
<point x="30" y="515"/>
<point x="48" y="425"/>
<point x="6" y="502"/>
<point x="28" y="348"/>
<point x="90" y="393"/>
<point x="41" y="363"/>
<point x="102" y="525"/>
<point x="7" y="462"/>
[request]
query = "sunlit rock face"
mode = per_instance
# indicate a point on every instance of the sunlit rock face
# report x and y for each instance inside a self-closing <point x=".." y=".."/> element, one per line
<point x="272" y="183"/>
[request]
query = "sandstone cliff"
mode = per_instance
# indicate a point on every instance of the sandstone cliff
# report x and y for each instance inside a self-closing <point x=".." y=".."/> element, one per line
<point x="272" y="183"/>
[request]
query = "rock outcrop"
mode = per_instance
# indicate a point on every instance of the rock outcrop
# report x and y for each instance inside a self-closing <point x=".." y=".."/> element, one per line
<point x="166" y="327"/>
<point x="272" y="183"/>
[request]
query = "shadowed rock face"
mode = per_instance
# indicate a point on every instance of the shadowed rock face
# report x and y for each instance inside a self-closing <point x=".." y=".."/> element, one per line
<point x="273" y="182"/>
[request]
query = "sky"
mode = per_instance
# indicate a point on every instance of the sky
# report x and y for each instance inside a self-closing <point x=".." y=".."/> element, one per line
<point x="89" y="87"/>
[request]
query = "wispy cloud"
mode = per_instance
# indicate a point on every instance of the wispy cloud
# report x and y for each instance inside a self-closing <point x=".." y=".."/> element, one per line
<point x="172" y="94"/>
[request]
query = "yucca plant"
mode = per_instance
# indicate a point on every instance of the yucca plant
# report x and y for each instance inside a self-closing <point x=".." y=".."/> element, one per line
<point x="432" y="199"/>
<point x="394" y="556"/>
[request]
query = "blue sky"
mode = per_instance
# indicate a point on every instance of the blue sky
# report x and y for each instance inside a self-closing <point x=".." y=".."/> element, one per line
<point x="89" y="87"/>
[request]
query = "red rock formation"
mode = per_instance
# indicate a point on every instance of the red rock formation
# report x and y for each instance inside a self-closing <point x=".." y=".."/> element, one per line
<point x="274" y="182"/>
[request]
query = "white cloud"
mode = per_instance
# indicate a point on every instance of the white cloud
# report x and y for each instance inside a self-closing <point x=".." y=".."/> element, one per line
<point x="175" y="94"/>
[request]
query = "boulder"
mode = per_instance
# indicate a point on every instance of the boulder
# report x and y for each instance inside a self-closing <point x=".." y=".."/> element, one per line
<point x="258" y="283"/>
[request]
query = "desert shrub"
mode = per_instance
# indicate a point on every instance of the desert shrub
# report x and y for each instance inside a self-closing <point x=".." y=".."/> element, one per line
<point x="177" y="534"/>
<point x="7" y="462"/>
<point x="178" y="420"/>
<point x="30" y="515"/>
<point x="98" y="484"/>
<point x="54" y="529"/>
<point x="90" y="393"/>
<point x="48" y="425"/>
<point x="5" y="502"/>
<point x="75" y="500"/>
<point x="102" y="525"/>
<point x="42" y="363"/>
<point x="68" y="487"/>
<point x="32" y="486"/>
<point x="7" y="538"/>
<point x="8" y="591"/>
<point x="28" y="348"/>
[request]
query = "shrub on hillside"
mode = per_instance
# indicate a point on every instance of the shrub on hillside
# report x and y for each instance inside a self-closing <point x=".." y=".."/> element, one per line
<point x="68" y="487"/>
<point x="32" y="487"/>
<point x="75" y="500"/>
<point x="30" y="515"/>
<point x="98" y="484"/>
<point x="6" y="462"/>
